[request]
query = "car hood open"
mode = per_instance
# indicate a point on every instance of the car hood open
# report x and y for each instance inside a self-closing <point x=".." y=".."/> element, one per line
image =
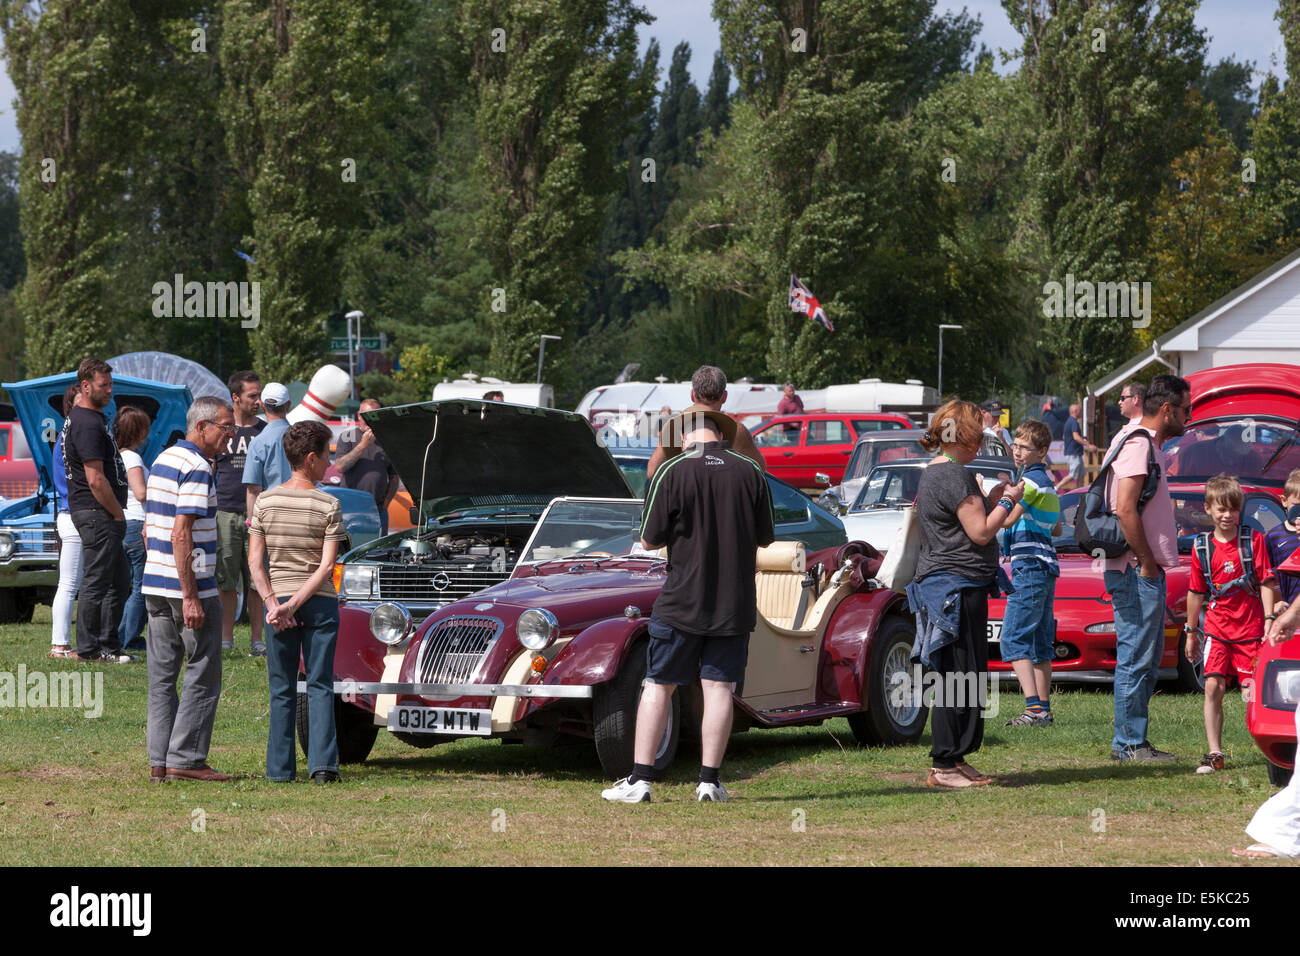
<point x="39" y="405"/>
<point x="478" y="448"/>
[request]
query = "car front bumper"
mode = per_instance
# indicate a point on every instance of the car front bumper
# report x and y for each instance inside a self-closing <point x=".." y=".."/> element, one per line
<point x="349" y="688"/>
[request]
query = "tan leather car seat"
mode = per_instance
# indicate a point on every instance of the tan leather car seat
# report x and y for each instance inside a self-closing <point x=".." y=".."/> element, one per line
<point x="779" y="581"/>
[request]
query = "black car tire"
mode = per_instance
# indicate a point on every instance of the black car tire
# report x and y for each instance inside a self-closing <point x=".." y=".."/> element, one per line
<point x="614" y="714"/>
<point x="16" y="606"/>
<point x="354" y="727"/>
<point x="1279" y="776"/>
<point x="1191" y="676"/>
<point x="883" y="724"/>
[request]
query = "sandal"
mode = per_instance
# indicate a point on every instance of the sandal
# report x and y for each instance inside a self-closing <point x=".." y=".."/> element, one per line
<point x="970" y="773"/>
<point x="1258" y="851"/>
<point x="60" y="651"/>
<point x="951" y="778"/>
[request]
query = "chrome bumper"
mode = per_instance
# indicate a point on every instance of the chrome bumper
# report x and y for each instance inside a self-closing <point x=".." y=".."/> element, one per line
<point x="349" y="688"/>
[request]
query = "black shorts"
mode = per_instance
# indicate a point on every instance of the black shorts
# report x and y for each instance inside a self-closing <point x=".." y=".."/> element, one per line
<point x="675" y="657"/>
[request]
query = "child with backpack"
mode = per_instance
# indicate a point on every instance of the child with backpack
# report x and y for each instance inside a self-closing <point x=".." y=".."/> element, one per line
<point x="1232" y="568"/>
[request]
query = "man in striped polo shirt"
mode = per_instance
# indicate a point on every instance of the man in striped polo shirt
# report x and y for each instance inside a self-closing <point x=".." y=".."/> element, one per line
<point x="180" y="589"/>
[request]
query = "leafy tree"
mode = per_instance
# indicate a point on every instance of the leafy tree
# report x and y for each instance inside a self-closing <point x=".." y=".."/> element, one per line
<point x="715" y="113"/>
<point x="1227" y="86"/>
<point x="1108" y="80"/>
<point x="551" y="106"/>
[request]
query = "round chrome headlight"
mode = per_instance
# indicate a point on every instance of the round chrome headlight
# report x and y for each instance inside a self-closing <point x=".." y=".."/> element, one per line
<point x="6" y="545"/>
<point x="390" y="623"/>
<point x="537" y="628"/>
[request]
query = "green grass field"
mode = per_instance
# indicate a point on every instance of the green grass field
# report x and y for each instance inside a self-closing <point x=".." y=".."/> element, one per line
<point x="75" y="791"/>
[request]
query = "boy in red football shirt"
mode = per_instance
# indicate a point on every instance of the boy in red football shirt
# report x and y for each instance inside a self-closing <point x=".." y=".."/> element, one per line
<point x="1240" y="604"/>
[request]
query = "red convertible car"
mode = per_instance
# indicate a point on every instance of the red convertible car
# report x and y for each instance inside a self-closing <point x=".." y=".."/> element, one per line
<point x="558" y="650"/>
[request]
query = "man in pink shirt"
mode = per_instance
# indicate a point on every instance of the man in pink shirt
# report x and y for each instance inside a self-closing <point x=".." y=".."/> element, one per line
<point x="791" y="404"/>
<point x="1136" y="579"/>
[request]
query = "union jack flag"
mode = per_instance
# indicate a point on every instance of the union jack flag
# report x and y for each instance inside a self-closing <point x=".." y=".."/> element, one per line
<point x="805" y="303"/>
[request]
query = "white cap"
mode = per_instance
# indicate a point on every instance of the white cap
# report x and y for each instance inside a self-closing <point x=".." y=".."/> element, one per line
<point x="275" y="395"/>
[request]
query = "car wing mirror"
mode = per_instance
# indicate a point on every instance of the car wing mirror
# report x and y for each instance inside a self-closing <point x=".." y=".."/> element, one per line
<point x="822" y="478"/>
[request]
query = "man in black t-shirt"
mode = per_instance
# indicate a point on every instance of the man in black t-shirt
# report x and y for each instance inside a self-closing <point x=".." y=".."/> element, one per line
<point x="365" y="466"/>
<point x="96" y="497"/>
<point x="712" y="508"/>
<point x="232" y="527"/>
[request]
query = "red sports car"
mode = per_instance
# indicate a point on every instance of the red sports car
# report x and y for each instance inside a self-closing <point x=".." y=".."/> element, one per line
<point x="798" y="447"/>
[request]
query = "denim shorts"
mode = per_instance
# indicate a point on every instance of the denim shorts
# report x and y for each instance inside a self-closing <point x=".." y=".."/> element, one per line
<point x="676" y="657"/>
<point x="1029" y="626"/>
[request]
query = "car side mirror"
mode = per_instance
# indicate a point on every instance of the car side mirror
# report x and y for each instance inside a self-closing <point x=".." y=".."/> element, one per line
<point x="415" y="515"/>
<point x="822" y="478"/>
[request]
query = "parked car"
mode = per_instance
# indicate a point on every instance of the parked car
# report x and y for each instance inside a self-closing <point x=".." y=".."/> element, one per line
<point x="29" y="548"/>
<point x="1270" y="715"/>
<point x="558" y="650"/>
<point x="17" y="469"/>
<point x="877" y="448"/>
<point x="797" y="516"/>
<point x="798" y="447"/>
<point x="877" y="513"/>
<point x="481" y="474"/>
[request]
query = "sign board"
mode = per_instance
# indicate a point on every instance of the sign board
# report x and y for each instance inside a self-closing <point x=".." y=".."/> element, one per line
<point x="373" y="343"/>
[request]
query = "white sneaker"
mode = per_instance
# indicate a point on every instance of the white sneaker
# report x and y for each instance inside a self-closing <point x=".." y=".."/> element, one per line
<point x="711" y="793"/>
<point x="625" y="791"/>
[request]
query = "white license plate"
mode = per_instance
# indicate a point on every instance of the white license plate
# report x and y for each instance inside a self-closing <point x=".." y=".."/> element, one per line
<point x="440" y="720"/>
<point x="995" y="631"/>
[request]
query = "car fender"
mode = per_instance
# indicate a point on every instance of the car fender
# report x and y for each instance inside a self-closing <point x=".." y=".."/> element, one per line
<point x="360" y="657"/>
<point x="846" y="656"/>
<point x="595" y="655"/>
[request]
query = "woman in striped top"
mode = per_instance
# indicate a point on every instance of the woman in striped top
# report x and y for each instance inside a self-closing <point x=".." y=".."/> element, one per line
<point x="300" y="528"/>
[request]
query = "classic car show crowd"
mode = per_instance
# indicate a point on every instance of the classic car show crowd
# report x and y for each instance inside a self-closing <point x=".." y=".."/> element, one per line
<point x="153" y="555"/>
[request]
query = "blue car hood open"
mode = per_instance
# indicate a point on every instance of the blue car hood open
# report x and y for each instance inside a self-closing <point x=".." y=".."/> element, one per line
<point x="39" y="404"/>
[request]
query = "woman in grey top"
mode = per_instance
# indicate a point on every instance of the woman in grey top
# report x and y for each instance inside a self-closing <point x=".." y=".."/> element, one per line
<point x="955" y="572"/>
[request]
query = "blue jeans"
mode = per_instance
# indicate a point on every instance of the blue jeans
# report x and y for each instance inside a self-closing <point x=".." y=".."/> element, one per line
<point x="1139" y="607"/>
<point x="130" y="633"/>
<point x="313" y="639"/>
<point x="1028" y="626"/>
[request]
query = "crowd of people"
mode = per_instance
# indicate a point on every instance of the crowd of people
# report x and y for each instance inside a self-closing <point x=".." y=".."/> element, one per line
<point x="237" y="500"/>
<point x="233" y="501"/>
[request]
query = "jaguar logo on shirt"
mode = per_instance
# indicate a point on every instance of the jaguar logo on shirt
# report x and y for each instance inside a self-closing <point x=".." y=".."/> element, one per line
<point x="713" y="460"/>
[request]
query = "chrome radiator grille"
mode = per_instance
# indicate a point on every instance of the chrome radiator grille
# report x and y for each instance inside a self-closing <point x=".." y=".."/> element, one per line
<point x="33" y="541"/>
<point x="435" y="584"/>
<point x="453" y="648"/>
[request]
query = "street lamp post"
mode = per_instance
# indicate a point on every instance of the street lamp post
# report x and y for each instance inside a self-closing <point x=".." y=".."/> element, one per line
<point x="943" y="326"/>
<point x="541" y="352"/>
<point x="356" y="315"/>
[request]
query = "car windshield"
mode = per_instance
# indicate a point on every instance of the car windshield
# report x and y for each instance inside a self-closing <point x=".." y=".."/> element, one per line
<point x="1255" y="451"/>
<point x="633" y="469"/>
<point x="895" y="486"/>
<point x="868" y="454"/>
<point x="576" y="527"/>
<point x="1260" y="512"/>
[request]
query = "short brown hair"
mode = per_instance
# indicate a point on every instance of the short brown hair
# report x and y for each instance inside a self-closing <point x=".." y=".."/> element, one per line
<point x="130" y="427"/>
<point x="956" y="423"/>
<point x="1035" y="432"/>
<point x="90" y="367"/>
<point x="237" y="381"/>
<point x="1292" y="487"/>
<point x="1223" y="490"/>
<point x="302" y="439"/>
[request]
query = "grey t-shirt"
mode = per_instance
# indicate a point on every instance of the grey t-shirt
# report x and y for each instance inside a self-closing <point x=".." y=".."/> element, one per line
<point x="945" y="545"/>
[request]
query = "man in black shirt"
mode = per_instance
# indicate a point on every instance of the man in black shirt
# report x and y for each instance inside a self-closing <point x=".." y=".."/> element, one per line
<point x="232" y="527"/>
<point x="96" y="497"/>
<point x="364" y="466"/>
<point x="712" y="508"/>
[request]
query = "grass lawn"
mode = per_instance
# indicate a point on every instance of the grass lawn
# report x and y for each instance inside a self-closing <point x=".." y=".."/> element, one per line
<point x="75" y="791"/>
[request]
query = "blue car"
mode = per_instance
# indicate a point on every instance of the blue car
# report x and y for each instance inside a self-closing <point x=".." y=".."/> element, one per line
<point x="29" y="543"/>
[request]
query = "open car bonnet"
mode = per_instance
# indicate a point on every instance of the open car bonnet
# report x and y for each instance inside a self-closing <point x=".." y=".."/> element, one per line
<point x="462" y="447"/>
<point x="39" y="404"/>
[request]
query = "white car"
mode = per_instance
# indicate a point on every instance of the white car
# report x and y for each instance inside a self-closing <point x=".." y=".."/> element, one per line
<point x="889" y="490"/>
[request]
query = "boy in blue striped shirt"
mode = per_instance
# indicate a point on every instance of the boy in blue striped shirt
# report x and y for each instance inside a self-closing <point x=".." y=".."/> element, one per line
<point x="1028" y="629"/>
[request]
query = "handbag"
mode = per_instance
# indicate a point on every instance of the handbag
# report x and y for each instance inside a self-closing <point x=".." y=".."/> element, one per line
<point x="1096" y="527"/>
<point x="899" y="567"/>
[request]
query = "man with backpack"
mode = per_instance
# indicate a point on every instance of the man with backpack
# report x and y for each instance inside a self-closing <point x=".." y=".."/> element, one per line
<point x="1137" y="491"/>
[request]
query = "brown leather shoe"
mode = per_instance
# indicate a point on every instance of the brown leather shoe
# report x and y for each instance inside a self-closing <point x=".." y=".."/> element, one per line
<point x="197" y="773"/>
<point x="157" y="774"/>
<point x="952" y="779"/>
<point x="970" y="773"/>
